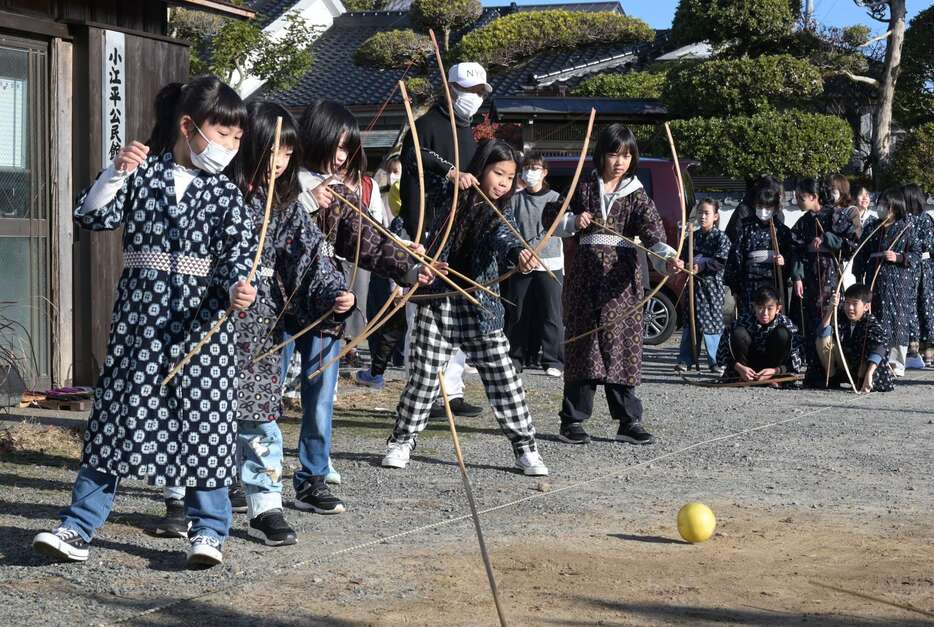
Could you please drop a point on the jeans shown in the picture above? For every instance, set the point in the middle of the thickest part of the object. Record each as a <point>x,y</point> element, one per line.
<point>686,355</point>
<point>259,458</point>
<point>93,497</point>
<point>314,442</point>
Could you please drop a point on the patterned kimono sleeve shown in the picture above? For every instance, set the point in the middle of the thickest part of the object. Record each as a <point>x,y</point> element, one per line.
<point>877,339</point>
<point>912,246</point>
<point>239,234</point>
<point>300,259</point>
<point>800,240</point>
<point>110,215</point>
<point>787,249</point>
<point>648,222</point>
<point>378,252</point>
<point>723,249</point>
<point>795,361</point>
<point>736,263</point>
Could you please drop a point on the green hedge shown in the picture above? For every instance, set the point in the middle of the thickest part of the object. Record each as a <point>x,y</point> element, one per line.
<point>420,89</point>
<point>741,86</point>
<point>393,49</point>
<point>444,14</point>
<point>508,39</point>
<point>720,21</point>
<point>913,161</point>
<point>786,144</point>
<point>645,84</point>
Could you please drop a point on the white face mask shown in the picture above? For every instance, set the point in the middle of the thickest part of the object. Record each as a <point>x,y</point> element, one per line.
<point>532,177</point>
<point>764,214</point>
<point>214,158</point>
<point>835,194</point>
<point>466,104</point>
<point>394,178</point>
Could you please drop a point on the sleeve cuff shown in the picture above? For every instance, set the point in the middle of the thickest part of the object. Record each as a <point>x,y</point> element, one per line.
<point>826,331</point>
<point>875,358</point>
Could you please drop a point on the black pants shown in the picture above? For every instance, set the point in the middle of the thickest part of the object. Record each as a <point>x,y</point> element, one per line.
<point>773,355</point>
<point>388,339</point>
<point>536,297</point>
<point>577,405</point>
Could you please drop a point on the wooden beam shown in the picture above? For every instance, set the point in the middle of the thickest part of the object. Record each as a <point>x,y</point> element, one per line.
<point>62,292</point>
<point>216,6</point>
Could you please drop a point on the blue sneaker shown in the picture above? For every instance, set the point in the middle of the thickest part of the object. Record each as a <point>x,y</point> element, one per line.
<point>363,377</point>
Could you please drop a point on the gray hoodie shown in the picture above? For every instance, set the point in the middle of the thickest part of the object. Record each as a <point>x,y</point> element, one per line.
<point>528,207</point>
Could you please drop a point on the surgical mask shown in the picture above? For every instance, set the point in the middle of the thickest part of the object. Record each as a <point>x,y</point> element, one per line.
<point>466,104</point>
<point>214,158</point>
<point>835,194</point>
<point>532,177</point>
<point>764,214</point>
<point>394,178</point>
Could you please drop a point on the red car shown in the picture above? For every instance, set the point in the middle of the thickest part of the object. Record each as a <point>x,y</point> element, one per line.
<point>659,178</point>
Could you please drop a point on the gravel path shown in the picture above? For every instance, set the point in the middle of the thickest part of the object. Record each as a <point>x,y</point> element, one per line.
<point>842,456</point>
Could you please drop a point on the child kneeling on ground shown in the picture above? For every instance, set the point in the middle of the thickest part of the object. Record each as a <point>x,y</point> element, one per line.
<point>761,344</point>
<point>863,344</point>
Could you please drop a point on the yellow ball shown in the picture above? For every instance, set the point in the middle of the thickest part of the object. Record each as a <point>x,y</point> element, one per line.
<point>696,522</point>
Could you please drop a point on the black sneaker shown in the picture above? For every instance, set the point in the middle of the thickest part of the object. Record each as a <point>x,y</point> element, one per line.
<point>237,498</point>
<point>62,544</point>
<point>271,528</point>
<point>573,433</point>
<point>314,495</point>
<point>634,434</point>
<point>459,407</point>
<point>174,524</point>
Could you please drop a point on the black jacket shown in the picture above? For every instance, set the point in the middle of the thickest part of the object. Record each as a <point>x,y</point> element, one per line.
<point>434,136</point>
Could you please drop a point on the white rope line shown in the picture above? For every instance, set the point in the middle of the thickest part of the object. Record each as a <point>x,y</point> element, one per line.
<point>618,471</point>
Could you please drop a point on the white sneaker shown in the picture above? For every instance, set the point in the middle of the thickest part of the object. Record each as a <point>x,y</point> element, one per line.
<point>204,552</point>
<point>554,372</point>
<point>397,454</point>
<point>531,464</point>
<point>333,477</point>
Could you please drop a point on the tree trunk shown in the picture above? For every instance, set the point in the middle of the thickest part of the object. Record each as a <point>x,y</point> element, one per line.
<point>882,120</point>
<point>447,39</point>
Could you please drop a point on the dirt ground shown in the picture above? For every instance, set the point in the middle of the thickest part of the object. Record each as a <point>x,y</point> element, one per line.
<point>840,495</point>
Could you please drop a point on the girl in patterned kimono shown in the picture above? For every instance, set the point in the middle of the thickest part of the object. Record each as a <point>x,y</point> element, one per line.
<point>333,158</point>
<point>915,201</point>
<point>753,258</point>
<point>480,247</point>
<point>188,247</point>
<point>711,249</point>
<point>817,254</point>
<point>886,264</point>
<point>603,286</point>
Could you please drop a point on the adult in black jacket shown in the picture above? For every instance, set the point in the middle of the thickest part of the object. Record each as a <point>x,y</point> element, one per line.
<point>468,86</point>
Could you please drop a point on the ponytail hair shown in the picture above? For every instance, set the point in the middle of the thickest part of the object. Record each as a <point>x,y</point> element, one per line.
<point>250,169</point>
<point>204,99</point>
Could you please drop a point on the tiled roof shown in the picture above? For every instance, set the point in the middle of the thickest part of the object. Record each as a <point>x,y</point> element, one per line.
<point>335,76</point>
<point>270,10</point>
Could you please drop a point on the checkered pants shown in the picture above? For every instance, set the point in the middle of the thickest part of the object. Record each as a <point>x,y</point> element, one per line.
<point>441,327</point>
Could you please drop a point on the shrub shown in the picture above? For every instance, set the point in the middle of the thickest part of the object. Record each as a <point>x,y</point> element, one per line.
<point>720,21</point>
<point>444,15</point>
<point>517,36</point>
<point>741,86</point>
<point>913,159</point>
<point>646,84</point>
<point>792,143</point>
<point>393,49</point>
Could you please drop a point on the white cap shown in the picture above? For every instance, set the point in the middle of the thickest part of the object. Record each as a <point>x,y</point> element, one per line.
<point>469,75</point>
